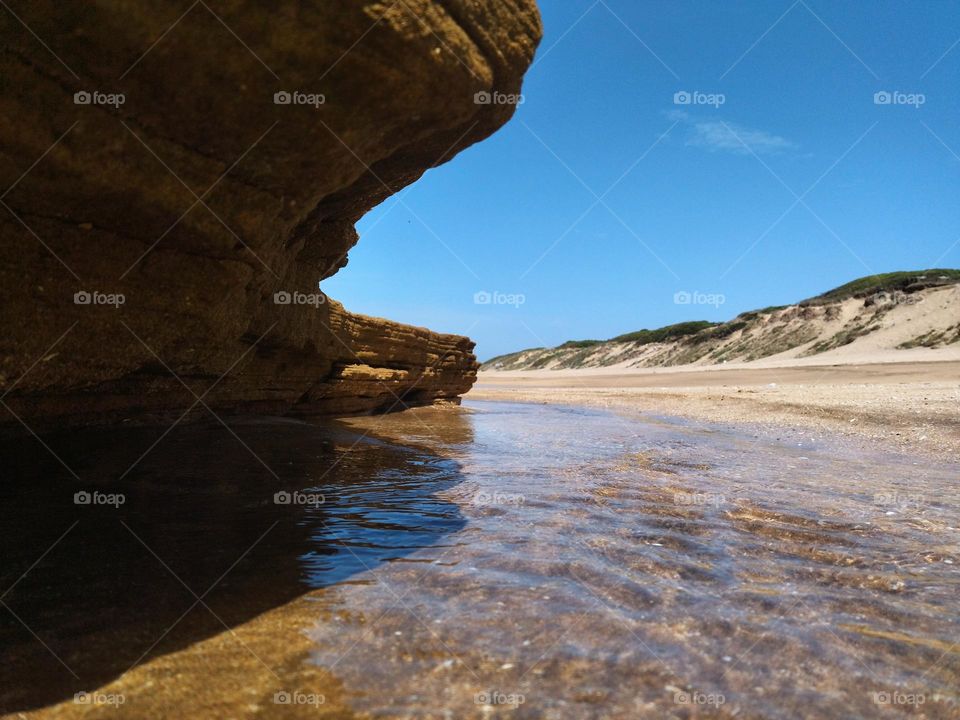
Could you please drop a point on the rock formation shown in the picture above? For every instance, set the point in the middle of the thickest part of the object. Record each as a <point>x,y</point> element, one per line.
<point>176,182</point>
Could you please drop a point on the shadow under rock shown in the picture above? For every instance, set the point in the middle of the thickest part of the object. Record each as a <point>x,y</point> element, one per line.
<point>199,518</point>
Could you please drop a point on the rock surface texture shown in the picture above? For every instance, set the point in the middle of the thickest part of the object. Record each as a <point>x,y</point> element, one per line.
<point>179,179</point>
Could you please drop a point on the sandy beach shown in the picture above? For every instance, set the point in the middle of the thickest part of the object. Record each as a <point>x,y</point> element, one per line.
<point>911,405</point>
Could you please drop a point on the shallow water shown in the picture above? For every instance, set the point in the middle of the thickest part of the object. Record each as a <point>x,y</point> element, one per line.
<point>503,560</point>
<point>611,568</point>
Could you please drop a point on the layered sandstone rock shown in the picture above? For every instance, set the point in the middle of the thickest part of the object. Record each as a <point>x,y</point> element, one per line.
<point>202,195</point>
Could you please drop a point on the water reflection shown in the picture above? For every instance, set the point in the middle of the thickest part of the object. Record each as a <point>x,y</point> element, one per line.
<point>199,544</point>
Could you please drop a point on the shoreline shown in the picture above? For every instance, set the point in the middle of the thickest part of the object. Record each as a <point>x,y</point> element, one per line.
<point>906,407</point>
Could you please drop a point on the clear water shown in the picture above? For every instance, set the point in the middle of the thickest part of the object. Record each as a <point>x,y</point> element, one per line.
<point>503,560</point>
<point>610,568</point>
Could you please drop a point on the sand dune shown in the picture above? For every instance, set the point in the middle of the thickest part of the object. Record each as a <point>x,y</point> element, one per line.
<point>882,327</point>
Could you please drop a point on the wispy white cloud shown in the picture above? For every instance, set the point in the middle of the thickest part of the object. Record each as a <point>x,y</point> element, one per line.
<point>720,136</point>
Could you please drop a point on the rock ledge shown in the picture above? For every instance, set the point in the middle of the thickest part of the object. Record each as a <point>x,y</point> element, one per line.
<point>203,171</point>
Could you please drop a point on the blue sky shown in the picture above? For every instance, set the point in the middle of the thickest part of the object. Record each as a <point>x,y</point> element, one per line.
<point>604,198</point>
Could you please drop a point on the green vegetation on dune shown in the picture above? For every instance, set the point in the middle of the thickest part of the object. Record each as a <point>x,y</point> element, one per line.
<point>666,333</point>
<point>754,314</point>
<point>934,338</point>
<point>887,282</point>
<point>725,330</point>
<point>579,344</point>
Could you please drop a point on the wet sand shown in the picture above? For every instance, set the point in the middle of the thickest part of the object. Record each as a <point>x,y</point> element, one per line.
<point>911,406</point>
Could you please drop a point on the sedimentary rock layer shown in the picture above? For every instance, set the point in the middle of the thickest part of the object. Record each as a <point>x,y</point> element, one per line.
<point>196,161</point>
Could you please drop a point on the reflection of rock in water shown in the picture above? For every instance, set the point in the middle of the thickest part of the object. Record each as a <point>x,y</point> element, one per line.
<point>198,520</point>
<point>449,426</point>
